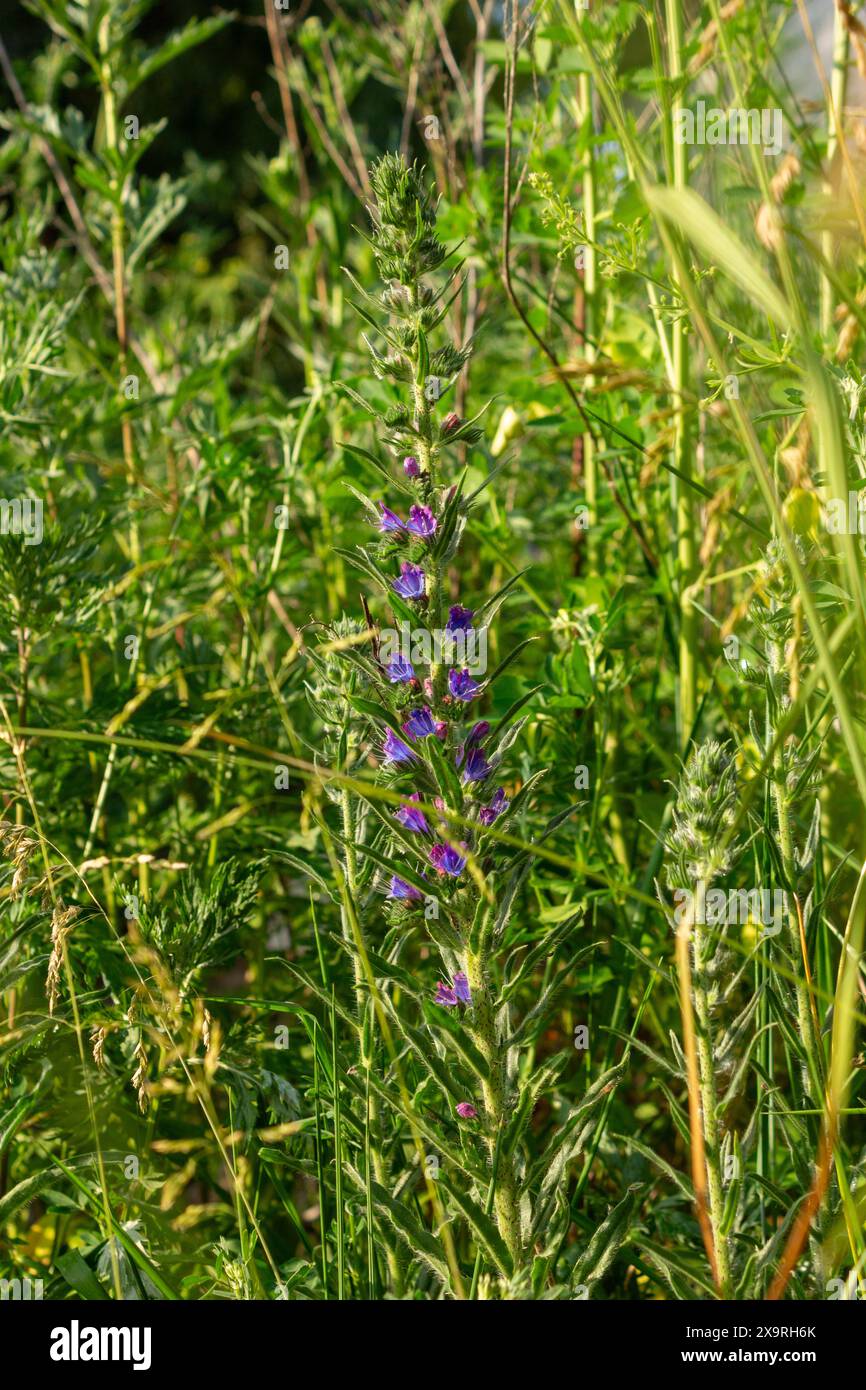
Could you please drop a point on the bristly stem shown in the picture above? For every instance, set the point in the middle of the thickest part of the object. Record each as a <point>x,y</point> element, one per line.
<point>796,943</point>
<point>709,1111</point>
<point>494,1091</point>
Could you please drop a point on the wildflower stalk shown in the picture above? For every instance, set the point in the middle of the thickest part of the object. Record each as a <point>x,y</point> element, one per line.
<point>709,1112</point>
<point>420,706</point>
<point>493,1088</point>
<point>702,821</point>
<point>796,938</point>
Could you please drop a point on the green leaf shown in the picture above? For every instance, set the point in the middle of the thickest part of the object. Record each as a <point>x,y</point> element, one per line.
<point>595,1261</point>
<point>180,41</point>
<point>79,1276</point>
<point>419,1242</point>
<point>482,1225</point>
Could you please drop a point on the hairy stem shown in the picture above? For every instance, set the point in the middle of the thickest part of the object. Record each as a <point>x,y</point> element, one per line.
<point>709,1107</point>
<point>494,1091</point>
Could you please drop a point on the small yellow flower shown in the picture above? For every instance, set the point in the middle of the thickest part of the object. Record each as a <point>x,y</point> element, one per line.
<point>510,427</point>
<point>802,511</point>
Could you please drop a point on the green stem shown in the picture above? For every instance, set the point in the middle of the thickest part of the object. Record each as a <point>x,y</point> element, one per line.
<point>590,288</point>
<point>709,1115</point>
<point>494,1092</point>
<point>682,495</point>
<point>838,91</point>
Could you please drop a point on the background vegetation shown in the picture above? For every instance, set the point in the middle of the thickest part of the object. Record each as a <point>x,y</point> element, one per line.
<point>209,1089</point>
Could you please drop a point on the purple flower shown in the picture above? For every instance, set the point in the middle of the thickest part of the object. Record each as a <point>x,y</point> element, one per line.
<point>399,671</point>
<point>411,466</point>
<point>388,520</point>
<point>411,581</point>
<point>461,685</point>
<point>395,750</point>
<point>448,860</point>
<point>488,814</point>
<point>459,619</point>
<point>401,889</point>
<point>477,767</point>
<point>477,732</point>
<point>420,723</point>
<point>467,1111</point>
<point>461,987</point>
<point>411,817</point>
<point>457,992</point>
<point>421,521</point>
<point>445,995</point>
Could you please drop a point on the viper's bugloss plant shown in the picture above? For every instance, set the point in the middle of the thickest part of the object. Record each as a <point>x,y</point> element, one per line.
<point>437,869</point>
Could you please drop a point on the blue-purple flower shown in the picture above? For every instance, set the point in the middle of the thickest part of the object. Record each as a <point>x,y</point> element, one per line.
<point>402,890</point>
<point>420,723</point>
<point>459,619</point>
<point>395,750</point>
<point>411,817</point>
<point>448,860</point>
<point>461,685</point>
<point>488,814</point>
<point>476,767</point>
<point>421,521</point>
<point>457,992</point>
<point>388,520</point>
<point>399,671</point>
<point>475,735</point>
<point>411,466</point>
<point>411,581</point>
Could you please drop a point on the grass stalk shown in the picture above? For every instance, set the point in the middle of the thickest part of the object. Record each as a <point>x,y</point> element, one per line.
<point>682,494</point>
<point>835,117</point>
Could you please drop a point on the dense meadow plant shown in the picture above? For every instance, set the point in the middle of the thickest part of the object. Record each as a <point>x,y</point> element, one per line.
<point>440,869</point>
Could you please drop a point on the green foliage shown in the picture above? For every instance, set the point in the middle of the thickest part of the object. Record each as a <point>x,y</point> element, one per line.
<point>251,265</point>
